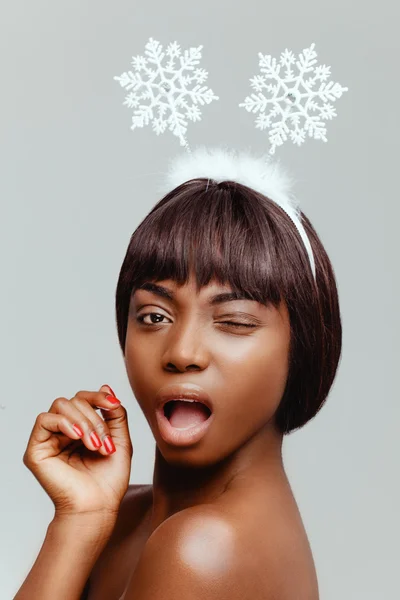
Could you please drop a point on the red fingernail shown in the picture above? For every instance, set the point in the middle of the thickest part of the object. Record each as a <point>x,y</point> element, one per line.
<point>111,390</point>
<point>109,444</point>
<point>77,429</point>
<point>113,399</point>
<point>95,439</point>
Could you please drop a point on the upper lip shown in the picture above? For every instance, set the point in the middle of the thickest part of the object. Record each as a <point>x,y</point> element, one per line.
<point>179,391</point>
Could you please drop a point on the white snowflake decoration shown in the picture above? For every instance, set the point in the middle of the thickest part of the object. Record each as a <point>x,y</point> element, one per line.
<point>163,94</point>
<point>291,98</point>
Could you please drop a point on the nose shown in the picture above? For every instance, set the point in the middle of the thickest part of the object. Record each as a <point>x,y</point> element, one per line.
<point>186,349</point>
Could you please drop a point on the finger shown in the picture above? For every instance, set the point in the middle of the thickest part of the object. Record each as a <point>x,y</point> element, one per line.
<point>83,423</point>
<point>93,423</point>
<point>110,395</point>
<point>96,433</point>
<point>101,399</point>
<point>117,420</point>
<point>47,426</point>
<point>115,417</point>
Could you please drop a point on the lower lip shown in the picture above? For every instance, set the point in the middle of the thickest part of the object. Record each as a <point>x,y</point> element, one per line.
<point>181,437</point>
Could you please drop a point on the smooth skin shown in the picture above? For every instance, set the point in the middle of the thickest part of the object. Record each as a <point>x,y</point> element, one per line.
<point>86,485</point>
<point>78,480</point>
<point>244,369</point>
<point>224,522</point>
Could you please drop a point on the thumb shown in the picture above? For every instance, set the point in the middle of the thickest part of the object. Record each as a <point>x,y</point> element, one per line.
<point>117,421</point>
<point>106,388</point>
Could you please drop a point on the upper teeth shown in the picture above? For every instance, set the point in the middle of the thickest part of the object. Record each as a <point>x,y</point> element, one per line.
<point>183,400</point>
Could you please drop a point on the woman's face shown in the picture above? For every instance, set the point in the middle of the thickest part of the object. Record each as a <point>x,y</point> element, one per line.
<point>188,340</point>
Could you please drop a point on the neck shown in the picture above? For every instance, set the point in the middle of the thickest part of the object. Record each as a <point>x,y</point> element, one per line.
<point>177,486</point>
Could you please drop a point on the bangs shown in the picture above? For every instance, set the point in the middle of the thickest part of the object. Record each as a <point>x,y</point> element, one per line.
<point>229,233</point>
<point>214,231</point>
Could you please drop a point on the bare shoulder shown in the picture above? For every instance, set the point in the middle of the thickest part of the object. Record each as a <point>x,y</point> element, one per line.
<point>234,549</point>
<point>203,525</point>
<point>194,553</point>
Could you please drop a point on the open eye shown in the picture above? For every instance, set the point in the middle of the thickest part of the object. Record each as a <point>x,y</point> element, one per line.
<point>140,319</point>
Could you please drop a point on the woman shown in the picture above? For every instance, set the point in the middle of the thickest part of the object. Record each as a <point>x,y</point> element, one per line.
<point>216,301</point>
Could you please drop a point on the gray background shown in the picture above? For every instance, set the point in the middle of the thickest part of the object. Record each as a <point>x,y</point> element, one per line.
<point>75,183</point>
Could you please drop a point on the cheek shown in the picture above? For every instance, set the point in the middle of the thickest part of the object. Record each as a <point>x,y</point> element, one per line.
<point>274,367</point>
<point>139,364</point>
<point>139,351</point>
<point>257,380</point>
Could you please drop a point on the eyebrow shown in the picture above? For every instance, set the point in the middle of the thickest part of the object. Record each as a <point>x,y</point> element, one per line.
<point>164,292</point>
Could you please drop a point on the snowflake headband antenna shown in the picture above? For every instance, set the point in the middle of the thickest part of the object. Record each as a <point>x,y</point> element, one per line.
<point>291,99</point>
<point>167,89</point>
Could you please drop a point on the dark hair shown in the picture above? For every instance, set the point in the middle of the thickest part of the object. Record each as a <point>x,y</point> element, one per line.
<point>233,234</point>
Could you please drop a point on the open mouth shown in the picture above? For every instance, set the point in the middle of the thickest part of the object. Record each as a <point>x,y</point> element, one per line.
<point>186,413</point>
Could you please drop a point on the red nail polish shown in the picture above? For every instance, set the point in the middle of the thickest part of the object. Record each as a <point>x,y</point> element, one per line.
<point>95,439</point>
<point>77,429</point>
<point>109,444</point>
<point>113,399</point>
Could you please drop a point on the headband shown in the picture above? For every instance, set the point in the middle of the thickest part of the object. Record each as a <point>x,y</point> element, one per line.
<point>166,89</point>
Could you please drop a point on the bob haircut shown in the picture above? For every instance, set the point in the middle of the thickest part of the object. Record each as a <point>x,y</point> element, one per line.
<point>231,233</point>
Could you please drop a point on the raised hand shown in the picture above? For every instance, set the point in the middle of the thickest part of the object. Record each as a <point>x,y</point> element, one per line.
<point>79,475</point>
